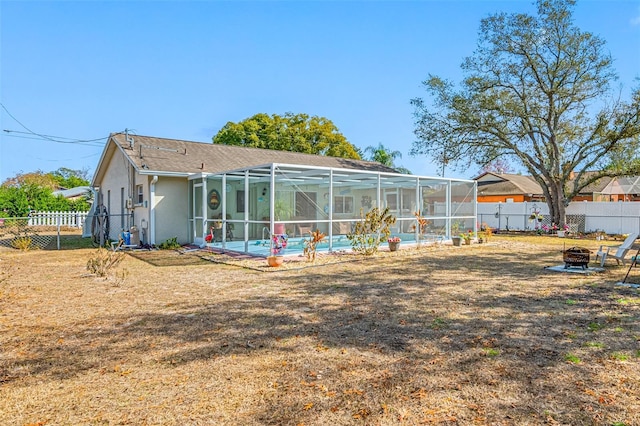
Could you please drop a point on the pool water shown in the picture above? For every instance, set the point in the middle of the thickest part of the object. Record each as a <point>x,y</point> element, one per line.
<point>295,246</point>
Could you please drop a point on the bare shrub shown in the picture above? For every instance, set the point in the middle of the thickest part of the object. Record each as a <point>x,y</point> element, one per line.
<point>104,260</point>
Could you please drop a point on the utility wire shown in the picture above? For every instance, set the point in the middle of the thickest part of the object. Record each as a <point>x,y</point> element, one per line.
<point>90,144</point>
<point>45,137</point>
<point>69,140</point>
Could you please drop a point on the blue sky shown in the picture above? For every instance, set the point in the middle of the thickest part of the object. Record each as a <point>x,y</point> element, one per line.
<point>81,70</point>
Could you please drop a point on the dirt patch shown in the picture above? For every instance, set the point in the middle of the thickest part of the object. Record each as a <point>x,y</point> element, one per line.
<point>447,335</point>
<point>162,258</point>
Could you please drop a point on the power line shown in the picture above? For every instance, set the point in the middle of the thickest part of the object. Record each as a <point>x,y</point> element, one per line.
<point>38,138</point>
<point>69,140</point>
<point>56,139</point>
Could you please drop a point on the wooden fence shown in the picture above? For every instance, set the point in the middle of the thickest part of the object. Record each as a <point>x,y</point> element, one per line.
<point>67,219</point>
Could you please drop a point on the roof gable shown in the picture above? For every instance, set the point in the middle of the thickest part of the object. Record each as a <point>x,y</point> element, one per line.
<point>507,184</point>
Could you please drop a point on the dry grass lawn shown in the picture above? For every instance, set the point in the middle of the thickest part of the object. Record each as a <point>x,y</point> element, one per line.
<point>443,335</point>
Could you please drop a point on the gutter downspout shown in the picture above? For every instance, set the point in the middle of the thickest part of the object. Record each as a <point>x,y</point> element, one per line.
<point>152,211</point>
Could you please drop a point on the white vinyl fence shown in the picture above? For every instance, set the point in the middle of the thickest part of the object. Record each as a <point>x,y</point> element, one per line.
<point>65,219</point>
<point>582,216</point>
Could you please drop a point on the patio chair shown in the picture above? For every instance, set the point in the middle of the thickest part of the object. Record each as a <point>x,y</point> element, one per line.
<point>621,251</point>
<point>303,229</point>
<point>341,228</point>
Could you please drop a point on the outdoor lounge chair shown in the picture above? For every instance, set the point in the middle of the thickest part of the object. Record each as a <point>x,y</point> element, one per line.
<point>620,253</point>
<point>303,229</point>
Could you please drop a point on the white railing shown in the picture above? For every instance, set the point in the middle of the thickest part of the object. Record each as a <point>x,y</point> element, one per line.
<point>67,219</point>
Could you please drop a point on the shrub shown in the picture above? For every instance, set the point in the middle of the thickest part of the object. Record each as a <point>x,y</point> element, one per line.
<point>371,230</point>
<point>103,260</point>
<point>170,244</point>
<point>420,225</point>
<point>488,232</point>
<point>311,244</point>
<point>22,243</point>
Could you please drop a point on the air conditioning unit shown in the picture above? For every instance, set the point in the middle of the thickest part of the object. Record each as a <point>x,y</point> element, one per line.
<point>129,203</point>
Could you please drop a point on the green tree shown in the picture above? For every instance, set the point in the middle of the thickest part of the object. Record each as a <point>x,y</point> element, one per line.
<point>70,178</point>
<point>13,202</point>
<point>536,91</point>
<point>382,154</point>
<point>289,132</point>
<point>34,191</point>
<point>33,179</point>
<point>386,156</point>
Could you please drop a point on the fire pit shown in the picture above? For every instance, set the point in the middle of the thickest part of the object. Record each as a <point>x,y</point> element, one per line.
<point>576,256</point>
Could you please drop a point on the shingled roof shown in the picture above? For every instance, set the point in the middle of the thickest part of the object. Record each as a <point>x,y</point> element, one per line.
<point>595,187</point>
<point>511,184</point>
<point>505,184</point>
<point>161,156</point>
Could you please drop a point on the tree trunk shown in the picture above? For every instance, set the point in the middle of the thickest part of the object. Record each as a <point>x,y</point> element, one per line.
<point>556,203</point>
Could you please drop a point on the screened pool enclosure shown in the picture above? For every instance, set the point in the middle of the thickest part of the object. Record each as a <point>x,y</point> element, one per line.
<point>242,210</point>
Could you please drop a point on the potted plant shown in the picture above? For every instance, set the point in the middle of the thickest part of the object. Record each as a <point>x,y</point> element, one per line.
<point>467,237</point>
<point>278,245</point>
<point>394,243</point>
<point>281,211</point>
<point>455,238</point>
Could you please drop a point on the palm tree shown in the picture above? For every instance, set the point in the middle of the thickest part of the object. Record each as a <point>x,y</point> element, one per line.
<point>382,154</point>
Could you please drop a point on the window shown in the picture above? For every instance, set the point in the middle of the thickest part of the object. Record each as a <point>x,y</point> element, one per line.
<point>343,204</point>
<point>139,194</point>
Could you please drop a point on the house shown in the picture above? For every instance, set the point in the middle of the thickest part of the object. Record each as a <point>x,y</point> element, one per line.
<point>594,191</point>
<point>79,192</point>
<point>238,197</point>
<point>504,187</point>
<point>619,189</point>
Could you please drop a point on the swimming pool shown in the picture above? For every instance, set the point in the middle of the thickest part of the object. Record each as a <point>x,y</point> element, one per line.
<point>295,246</point>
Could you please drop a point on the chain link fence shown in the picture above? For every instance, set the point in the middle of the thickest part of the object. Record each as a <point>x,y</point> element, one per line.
<point>16,233</point>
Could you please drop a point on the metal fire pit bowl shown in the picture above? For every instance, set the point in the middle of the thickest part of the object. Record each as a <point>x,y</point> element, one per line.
<point>576,256</point>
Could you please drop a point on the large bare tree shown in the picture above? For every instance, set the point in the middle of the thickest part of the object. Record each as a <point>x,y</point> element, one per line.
<point>536,91</point>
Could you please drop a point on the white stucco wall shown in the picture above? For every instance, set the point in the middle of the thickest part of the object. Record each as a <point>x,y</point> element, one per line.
<point>172,209</point>
<point>115,178</point>
<point>141,210</point>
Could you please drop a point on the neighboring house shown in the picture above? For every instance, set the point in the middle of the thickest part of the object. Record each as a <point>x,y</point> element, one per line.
<point>172,188</point>
<point>593,191</point>
<point>619,189</point>
<point>503,187</point>
<point>73,193</point>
